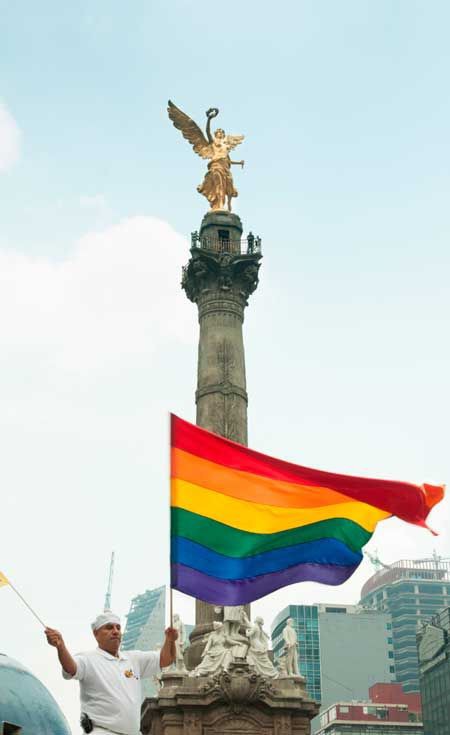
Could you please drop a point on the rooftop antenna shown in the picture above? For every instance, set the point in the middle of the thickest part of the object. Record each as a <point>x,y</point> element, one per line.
<point>110,581</point>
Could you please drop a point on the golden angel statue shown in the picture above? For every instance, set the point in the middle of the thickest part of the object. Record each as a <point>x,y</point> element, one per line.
<point>217,186</point>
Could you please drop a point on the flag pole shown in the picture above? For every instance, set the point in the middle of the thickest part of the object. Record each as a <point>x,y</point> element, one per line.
<point>26,603</point>
<point>170,522</point>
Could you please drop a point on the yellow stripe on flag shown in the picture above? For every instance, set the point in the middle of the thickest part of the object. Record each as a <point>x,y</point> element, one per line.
<point>3,580</point>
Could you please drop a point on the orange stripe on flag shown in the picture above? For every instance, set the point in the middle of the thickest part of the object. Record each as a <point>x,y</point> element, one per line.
<point>248,486</point>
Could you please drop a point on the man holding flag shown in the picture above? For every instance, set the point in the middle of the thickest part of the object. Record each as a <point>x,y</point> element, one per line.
<point>110,680</point>
<point>243,525</point>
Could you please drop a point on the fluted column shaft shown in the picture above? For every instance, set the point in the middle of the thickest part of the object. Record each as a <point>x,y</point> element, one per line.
<point>221,395</point>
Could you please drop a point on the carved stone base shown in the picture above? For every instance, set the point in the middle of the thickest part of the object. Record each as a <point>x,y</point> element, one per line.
<point>234,702</point>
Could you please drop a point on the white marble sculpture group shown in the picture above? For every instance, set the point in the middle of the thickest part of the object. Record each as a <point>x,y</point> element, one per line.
<point>227,643</point>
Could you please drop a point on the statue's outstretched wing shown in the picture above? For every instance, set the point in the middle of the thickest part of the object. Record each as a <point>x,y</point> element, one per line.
<point>190,131</point>
<point>231,141</point>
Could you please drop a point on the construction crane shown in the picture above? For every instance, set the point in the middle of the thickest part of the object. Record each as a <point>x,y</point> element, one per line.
<point>376,561</point>
<point>110,581</point>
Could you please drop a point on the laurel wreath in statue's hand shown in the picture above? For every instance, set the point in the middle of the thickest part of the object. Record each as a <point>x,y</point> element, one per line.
<point>212,112</point>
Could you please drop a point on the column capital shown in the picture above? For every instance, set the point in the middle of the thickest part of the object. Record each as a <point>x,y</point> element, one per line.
<point>229,277</point>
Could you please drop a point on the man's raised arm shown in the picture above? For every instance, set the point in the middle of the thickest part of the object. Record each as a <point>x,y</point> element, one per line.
<point>54,638</point>
<point>168,653</point>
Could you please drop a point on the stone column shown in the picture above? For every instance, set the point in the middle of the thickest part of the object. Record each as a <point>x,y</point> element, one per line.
<point>221,394</point>
<point>219,278</point>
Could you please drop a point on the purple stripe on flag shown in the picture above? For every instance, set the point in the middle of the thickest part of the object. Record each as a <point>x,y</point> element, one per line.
<point>242,591</point>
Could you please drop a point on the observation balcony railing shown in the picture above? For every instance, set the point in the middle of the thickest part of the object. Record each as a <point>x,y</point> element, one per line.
<point>249,245</point>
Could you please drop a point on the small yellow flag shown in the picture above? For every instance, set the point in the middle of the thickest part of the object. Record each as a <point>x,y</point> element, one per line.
<point>3,580</point>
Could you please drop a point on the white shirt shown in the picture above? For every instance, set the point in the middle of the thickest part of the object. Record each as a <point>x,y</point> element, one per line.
<point>110,687</point>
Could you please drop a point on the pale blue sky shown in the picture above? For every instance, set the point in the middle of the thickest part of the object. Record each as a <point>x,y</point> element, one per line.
<point>347,116</point>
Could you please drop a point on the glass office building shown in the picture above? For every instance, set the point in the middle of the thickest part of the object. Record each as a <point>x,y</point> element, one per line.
<point>144,630</point>
<point>145,626</point>
<point>331,640</point>
<point>412,592</point>
<point>433,643</point>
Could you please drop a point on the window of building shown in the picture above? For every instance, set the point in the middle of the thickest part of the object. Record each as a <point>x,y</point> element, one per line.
<point>430,589</point>
<point>390,654</point>
<point>369,710</point>
<point>404,587</point>
<point>392,669</point>
<point>382,713</point>
<point>343,709</point>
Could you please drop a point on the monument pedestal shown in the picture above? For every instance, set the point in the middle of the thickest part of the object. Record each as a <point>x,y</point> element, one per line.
<point>234,702</point>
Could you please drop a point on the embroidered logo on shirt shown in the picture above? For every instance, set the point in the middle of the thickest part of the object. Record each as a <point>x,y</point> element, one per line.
<point>129,673</point>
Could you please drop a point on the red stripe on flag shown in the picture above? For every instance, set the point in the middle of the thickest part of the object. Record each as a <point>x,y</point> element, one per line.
<point>409,502</point>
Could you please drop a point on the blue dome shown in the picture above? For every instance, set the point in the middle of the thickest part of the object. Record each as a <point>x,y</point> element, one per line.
<point>26,702</point>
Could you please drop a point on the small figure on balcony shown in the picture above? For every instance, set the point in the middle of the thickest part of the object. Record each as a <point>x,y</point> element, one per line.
<point>217,186</point>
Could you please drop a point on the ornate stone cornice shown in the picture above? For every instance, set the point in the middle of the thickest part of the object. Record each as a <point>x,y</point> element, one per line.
<point>237,687</point>
<point>228,277</point>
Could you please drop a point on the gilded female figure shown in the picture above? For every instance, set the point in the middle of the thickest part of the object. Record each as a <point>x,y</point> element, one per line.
<point>217,186</point>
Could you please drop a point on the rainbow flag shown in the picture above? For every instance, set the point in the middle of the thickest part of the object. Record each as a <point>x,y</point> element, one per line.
<point>244,524</point>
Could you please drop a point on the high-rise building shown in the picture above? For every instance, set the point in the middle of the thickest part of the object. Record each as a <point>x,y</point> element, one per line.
<point>144,630</point>
<point>433,643</point>
<point>342,649</point>
<point>389,711</point>
<point>412,592</point>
